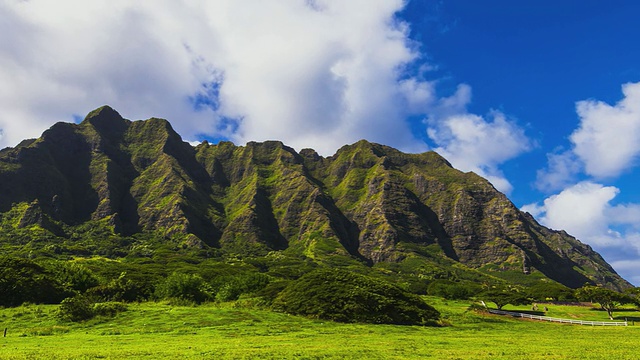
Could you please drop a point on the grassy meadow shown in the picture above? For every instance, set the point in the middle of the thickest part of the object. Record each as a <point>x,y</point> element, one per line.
<point>238,330</point>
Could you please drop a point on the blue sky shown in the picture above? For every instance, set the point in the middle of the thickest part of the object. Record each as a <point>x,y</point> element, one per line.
<point>534,61</point>
<point>542,98</point>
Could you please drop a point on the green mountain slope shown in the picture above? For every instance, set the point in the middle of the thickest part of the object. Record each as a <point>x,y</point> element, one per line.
<point>114,182</point>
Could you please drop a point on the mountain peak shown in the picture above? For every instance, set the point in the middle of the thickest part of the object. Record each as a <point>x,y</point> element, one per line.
<point>104,111</point>
<point>368,203</point>
<point>106,121</point>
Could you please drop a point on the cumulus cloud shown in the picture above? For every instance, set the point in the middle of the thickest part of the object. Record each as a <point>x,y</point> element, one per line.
<point>605,144</point>
<point>562,169</point>
<point>585,211</point>
<point>69,57</point>
<point>472,143</point>
<point>629,266</point>
<point>580,210</point>
<point>608,139</point>
<point>311,73</point>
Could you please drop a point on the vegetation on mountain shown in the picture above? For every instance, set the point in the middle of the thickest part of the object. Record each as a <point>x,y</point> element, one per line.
<point>122,211</point>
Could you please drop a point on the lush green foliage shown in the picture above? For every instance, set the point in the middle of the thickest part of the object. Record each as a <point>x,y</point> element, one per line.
<point>505,296</point>
<point>72,274</point>
<point>232,288</point>
<point>343,296</point>
<point>122,288</point>
<point>190,287</point>
<point>547,290</point>
<point>608,299</point>
<point>23,280</point>
<point>77,308</point>
<point>452,290</point>
<point>81,308</point>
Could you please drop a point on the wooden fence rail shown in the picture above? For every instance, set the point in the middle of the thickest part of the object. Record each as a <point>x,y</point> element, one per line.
<point>559,320</point>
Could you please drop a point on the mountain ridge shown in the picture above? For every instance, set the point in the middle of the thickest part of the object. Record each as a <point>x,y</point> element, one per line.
<point>367,203</point>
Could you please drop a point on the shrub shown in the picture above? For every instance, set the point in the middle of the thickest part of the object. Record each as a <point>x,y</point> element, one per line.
<point>475,307</point>
<point>121,289</point>
<point>271,291</point>
<point>77,308</point>
<point>186,287</point>
<point>238,285</point>
<point>343,296</point>
<point>109,309</point>
<point>80,308</point>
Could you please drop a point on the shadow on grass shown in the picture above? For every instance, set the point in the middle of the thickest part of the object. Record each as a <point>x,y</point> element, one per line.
<point>627,318</point>
<point>616,310</point>
<point>531,312</point>
<point>493,320</point>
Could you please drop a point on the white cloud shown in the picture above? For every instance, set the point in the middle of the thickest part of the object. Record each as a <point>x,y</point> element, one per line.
<point>473,143</point>
<point>608,139</point>
<point>585,211</point>
<point>312,74</point>
<point>69,57</point>
<point>606,143</point>
<point>580,210</point>
<point>630,269</point>
<point>561,171</point>
<point>420,95</point>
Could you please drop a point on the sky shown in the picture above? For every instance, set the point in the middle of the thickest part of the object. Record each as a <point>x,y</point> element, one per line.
<point>541,98</point>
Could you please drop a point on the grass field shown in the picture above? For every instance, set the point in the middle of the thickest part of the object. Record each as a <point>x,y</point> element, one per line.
<point>214,331</point>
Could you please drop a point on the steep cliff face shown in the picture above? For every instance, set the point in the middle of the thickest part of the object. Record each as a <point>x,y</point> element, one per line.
<point>367,203</point>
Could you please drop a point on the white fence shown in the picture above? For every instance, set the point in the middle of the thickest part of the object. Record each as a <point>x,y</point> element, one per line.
<point>552,319</point>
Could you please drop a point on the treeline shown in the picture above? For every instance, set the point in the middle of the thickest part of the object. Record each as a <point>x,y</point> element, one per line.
<point>86,288</point>
<point>89,288</point>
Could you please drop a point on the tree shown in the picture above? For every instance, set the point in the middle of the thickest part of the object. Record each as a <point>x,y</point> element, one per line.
<point>122,288</point>
<point>22,280</point>
<point>634,293</point>
<point>502,297</point>
<point>452,290</point>
<point>550,290</point>
<point>609,300</point>
<point>72,275</point>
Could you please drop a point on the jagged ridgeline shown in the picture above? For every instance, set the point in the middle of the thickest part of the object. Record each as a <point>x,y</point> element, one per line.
<point>127,186</point>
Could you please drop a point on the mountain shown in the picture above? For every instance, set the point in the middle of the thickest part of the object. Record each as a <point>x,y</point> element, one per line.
<point>112,181</point>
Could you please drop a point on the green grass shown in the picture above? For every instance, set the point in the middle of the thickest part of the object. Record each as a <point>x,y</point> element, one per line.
<point>154,330</point>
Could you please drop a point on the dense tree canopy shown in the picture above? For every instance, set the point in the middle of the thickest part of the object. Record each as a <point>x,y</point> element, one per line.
<point>22,280</point>
<point>502,297</point>
<point>343,296</point>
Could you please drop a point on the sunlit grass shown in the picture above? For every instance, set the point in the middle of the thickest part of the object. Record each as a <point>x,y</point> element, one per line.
<point>228,331</point>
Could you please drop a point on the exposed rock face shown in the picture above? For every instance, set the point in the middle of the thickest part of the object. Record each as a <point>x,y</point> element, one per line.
<point>368,201</point>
